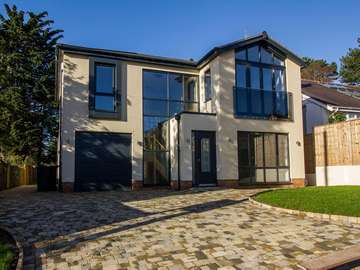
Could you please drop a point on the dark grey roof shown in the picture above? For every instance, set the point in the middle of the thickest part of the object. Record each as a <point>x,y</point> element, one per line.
<point>328,95</point>
<point>180,62</point>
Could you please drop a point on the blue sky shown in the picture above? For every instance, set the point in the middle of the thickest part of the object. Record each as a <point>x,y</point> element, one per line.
<point>188,29</point>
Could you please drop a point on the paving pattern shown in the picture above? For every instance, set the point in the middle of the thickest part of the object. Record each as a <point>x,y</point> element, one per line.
<point>163,229</point>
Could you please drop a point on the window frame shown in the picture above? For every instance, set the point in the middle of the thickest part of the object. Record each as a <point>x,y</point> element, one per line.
<point>207,88</point>
<point>104,94</point>
<point>168,100</point>
<point>252,167</point>
<point>119,90</point>
<point>261,67</point>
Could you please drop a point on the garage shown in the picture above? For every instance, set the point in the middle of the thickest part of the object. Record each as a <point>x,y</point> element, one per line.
<point>102,161</point>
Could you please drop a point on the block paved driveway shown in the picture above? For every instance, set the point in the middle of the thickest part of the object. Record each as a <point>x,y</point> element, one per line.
<point>199,229</point>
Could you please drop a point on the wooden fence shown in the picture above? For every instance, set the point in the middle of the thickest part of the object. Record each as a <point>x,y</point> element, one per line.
<point>309,153</point>
<point>337,144</point>
<point>13,176</point>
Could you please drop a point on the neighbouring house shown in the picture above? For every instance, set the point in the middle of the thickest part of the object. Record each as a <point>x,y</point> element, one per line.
<point>322,100</point>
<point>232,118</point>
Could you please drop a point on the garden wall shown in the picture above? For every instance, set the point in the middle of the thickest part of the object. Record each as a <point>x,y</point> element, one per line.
<point>337,153</point>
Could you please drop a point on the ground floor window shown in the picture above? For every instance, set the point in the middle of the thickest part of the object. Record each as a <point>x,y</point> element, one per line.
<point>263,157</point>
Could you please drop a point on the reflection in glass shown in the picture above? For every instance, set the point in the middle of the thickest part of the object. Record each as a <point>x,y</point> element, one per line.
<point>257,146</point>
<point>155,107</point>
<point>240,75</point>
<point>284,175</point>
<point>266,56</point>
<point>278,61</point>
<point>242,100</point>
<point>156,168</point>
<point>241,54</point>
<point>279,80</point>
<point>243,146</point>
<point>269,161</point>
<point>253,54</point>
<point>165,94</point>
<point>271,175</point>
<point>176,107</point>
<point>267,79</point>
<point>176,86</point>
<point>207,82</point>
<point>256,102</point>
<point>205,155</point>
<point>283,150</point>
<point>259,175</point>
<point>155,84</point>
<point>270,149</point>
<point>190,88</point>
<point>104,103</point>
<point>254,77</point>
<point>156,133</point>
<point>104,78</point>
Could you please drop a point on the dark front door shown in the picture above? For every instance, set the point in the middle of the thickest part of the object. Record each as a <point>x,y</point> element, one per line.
<point>204,158</point>
<point>102,160</point>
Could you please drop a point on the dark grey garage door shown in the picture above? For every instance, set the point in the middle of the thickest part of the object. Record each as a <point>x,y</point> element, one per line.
<point>102,160</point>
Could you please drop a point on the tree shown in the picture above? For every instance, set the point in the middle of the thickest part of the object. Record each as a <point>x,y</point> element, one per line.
<point>28,111</point>
<point>337,117</point>
<point>350,66</point>
<point>318,70</point>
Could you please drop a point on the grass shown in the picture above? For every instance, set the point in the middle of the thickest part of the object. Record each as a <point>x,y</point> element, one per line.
<point>337,200</point>
<point>6,256</point>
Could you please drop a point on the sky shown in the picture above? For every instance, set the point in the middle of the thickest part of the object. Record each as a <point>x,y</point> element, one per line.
<point>188,29</point>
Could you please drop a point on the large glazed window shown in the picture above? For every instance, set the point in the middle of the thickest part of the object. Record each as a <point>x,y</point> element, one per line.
<point>164,95</point>
<point>263,158</point>
<point>260,83</point>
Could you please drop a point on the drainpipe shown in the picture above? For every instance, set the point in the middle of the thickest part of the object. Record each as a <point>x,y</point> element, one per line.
<point>177,118</point>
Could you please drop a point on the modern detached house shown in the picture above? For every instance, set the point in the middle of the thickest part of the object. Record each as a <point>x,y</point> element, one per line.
<point>232,118</point>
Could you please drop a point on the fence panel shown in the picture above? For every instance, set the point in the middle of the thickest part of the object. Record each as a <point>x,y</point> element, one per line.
<point>309,153</point>
<point>337,153</point>
<point>13,176</point>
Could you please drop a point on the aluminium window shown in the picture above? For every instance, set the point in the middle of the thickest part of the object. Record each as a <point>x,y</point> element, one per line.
<point>164,95</point>
<point>104,93</point>
<point>260,83</point>
<point>207,85</point>
<point>105,89</point>
<point>263,157</point>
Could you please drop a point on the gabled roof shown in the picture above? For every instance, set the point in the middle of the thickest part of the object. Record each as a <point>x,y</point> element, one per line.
<point>328,95</point>
<point>131,56</point>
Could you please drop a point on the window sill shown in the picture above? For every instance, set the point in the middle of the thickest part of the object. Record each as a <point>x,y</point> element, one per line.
<point>105,115</point>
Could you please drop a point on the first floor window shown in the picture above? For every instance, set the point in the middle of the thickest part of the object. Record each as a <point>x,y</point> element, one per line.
<point>104,98</point>
<point>207,85</point>
<point>263,157</point>
<point>104,87</point>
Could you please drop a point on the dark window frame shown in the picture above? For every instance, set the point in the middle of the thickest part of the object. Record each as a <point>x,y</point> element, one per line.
<point>207,85</point>
<point>168,115</point>
<point>261,91</point>
<point>119,92</point>
<point>104,94</point>
<point>252,167</point>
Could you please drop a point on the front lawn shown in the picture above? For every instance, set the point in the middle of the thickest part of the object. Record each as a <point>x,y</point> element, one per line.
<point>6,256</point>
<point>338,200</point>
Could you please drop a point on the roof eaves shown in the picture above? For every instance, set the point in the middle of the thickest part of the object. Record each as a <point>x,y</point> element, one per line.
<point>128,56</point>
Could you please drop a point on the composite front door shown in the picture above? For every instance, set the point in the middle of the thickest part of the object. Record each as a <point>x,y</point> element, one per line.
<point>204,158</point>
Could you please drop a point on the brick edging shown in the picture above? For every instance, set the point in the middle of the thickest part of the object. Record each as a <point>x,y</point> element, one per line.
<point>20,261</point>
<point>346,220</point>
